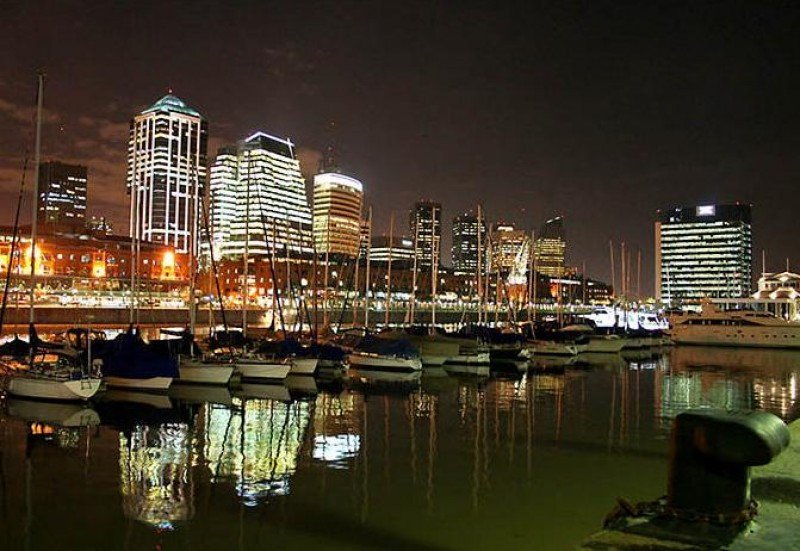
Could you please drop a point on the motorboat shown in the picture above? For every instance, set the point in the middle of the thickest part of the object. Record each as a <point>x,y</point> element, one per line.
<point>738,328</point>
<point>382,353</point>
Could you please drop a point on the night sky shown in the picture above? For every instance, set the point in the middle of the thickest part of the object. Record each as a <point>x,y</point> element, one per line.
<point>602,114</point>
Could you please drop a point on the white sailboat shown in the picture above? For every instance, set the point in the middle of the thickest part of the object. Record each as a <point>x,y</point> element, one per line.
<point>67,380</point>
<point>191,368</point>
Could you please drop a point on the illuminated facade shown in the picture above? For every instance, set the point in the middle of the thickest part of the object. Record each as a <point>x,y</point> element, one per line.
<point>337,214</point>
<point>550,248</point>
<point>62,196</point>
<point>167,172</point>
<point>425,223</point>
<point>508,246</point>
<point>258,196</point>
<point>465,243</point>
<point>402,250</point>
<point>97,260</point>
<point>703,251</point>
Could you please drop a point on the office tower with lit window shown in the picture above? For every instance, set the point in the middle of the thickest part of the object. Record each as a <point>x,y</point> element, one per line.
<point>465,243</point>
<point>550,248</point>
<point>167,172</point>
<point>258,198</point>
<point>62,197</point>
<point>703,251</point>
<point>509,247</point>
<point>401,251</point>
<point>425,223</point>
<point>337,214</point>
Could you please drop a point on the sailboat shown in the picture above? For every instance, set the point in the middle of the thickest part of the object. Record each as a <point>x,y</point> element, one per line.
<point>63,377</point>
<point>193,366</point>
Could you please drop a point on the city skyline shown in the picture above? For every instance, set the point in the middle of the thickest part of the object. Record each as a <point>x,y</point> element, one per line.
<point>602,132</point>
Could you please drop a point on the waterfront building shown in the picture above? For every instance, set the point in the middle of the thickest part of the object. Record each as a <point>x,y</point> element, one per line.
<point>258,199</point>
<point>337,214</point>
<point>550,248</point>
<point>100,225</point>
<point>85,262</point>
<point>466,230</point>
<point>509,248</point>
<point>62,197</point>
<point>776,292</point>
<point>425,225</point>
<point>703,251</point>
<point>401,249</point>
<point>167,172</point>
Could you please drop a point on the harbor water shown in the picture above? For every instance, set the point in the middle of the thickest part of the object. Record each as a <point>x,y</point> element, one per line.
<point>451,459</point>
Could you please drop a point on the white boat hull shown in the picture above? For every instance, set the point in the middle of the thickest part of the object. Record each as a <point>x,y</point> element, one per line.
<point>551,348</point>
<point>304,366</point>
<point>26,386</point>
<point>198,372</point>
<point>751,337</point>
<point>432,360</point>
<point>605,345</point>
<point>263,370</point>
<point>481,358</point>
<point>154,384</point>
<point>384,362</point>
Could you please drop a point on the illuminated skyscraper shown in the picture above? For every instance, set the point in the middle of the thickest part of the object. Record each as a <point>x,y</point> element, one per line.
<point>166,172</point>
<point>62,196</point>
<point>550,248</point>
<point>703,251</point>
<point>337,213</point>
<point>425,223</point>
<point>508,247</point>
<point>258,195</point>
<point>465,243</point>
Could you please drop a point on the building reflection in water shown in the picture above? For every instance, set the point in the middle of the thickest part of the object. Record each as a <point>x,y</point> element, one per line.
<point>255,445</point>
<point>731,379</point>
<point>336,441</point>
<point>155,474</point>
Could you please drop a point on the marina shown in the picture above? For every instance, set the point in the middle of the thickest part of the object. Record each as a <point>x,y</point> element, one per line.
<point>437,459</point>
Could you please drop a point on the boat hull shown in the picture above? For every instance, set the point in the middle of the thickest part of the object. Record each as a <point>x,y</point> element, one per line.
<point>204,373</point>
<point>52,389</point>
<point>304,366</point>
<point>481,358</point>
<point>432,360</point>
<point>383,362</point>
<point>153,384</point>
<point>263,370</point>
<point>552,348</point>
<point>604,345</point>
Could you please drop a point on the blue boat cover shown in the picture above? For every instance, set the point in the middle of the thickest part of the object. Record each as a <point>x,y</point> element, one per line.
<point>399,348</point>
<point>130,357</point>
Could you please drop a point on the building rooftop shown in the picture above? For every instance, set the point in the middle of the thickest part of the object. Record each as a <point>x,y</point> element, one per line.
<point>174,104</point>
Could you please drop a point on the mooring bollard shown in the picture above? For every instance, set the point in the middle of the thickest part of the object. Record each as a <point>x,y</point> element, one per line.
<point>710,459</point>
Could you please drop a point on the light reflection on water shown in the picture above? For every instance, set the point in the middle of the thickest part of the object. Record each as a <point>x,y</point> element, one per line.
<point>445,460</point>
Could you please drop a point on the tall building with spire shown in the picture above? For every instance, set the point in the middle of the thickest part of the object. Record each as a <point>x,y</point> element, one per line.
<point>167,172</point>
<point>550,248</point>
<point>258,199</point>
<point>425,224</point>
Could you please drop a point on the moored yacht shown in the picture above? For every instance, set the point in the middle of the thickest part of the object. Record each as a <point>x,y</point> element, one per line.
<point>744,328</point>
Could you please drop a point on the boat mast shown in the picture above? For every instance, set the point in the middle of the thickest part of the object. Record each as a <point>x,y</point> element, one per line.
<point>479,267</point>
<point>325,314</point>
<point>413,303</point>
<point>531,275</point>
<point>246,255</point>
<point>434,267</point>
<point>366,278</point>
<point>193,251</point>
<point>389,271</point>
<point>35,193</point>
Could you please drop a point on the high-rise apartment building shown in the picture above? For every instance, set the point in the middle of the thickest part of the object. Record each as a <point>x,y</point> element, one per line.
<point>550,248</point>
<point>62,197</point>
<point>703,251</point>
<point>465,243</point>
<point>167,172</point>
<point>258,199</point>
<point>337,214</point>
<point>425,224</point>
